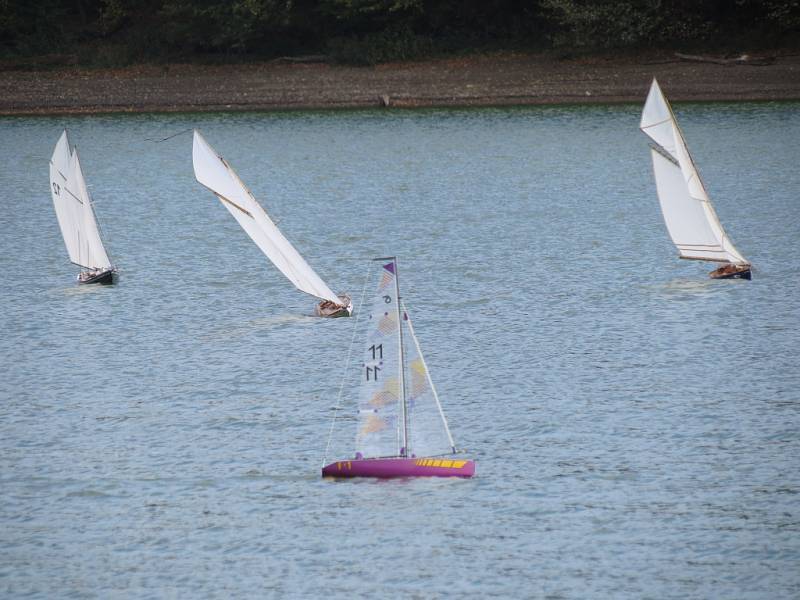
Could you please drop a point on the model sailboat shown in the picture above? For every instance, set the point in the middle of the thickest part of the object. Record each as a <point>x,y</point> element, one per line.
<point>402,431</point>
<point>76,217</point>
<point>691,220</point>
<point>214,172</point>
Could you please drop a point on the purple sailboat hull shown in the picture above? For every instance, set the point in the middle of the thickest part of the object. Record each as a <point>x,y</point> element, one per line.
<point>400,467</point>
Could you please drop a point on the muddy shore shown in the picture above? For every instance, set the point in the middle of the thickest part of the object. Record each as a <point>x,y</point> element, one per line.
<point>493,80</point>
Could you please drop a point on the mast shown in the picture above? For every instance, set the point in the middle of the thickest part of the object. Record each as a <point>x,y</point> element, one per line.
<point>403,401</point>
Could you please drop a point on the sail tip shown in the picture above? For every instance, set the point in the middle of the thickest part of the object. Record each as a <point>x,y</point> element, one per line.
<point>390,266</point>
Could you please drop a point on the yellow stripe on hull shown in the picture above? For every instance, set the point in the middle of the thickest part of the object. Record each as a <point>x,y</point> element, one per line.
<point>440,462</point>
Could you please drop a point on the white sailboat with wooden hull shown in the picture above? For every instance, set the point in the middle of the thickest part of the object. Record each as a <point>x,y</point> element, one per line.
<point>214,172</point>
<point>402,430</point>
<point>76,218</point>
<point>688,213</point>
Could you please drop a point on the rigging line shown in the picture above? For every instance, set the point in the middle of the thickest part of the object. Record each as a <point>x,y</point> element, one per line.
<point>339,257</point>
<point>168,137</point>
<point>347,365</point>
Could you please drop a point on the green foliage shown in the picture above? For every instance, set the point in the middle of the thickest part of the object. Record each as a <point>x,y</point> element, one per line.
<point>390,45</point>
<point>210,25</point>
<point>641,23</point>
<point>775,20</point>
<point>622,23</point>
<point>32,27</point>
<point>110,32</point>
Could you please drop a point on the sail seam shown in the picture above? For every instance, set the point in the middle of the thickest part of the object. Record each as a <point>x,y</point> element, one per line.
<point>711,247</point>
<point>664,153</point>
<point>667,120</point>
<point>78,200</point>
<point>705,258</point>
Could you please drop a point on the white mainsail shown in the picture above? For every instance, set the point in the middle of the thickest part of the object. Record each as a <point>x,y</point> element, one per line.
<point>381,431</point>
<point>66,205</point>
<point>213,171</point>
<point>689,215</point>
<point>73,205</point>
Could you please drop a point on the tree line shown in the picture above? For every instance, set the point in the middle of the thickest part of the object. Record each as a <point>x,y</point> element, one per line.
<point>118,32</point>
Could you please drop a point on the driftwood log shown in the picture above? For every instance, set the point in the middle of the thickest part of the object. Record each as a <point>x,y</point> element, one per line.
<point>744,59</point>
<point>311,58</point>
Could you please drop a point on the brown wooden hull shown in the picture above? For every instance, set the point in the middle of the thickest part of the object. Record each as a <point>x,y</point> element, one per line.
<point>731,272</point>
<point>332,311</point>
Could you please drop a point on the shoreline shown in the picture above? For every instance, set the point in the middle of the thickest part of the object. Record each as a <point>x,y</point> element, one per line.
<point>504,79</point>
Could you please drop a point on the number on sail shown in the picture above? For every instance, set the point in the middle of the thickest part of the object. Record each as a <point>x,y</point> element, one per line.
<point>374,371</point>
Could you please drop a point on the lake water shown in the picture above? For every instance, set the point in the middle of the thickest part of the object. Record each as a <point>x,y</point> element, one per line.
<point>636,426</point>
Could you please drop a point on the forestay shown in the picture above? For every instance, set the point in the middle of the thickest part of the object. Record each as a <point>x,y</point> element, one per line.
<point>213,171</point>
<point>73,205</point>
<point>688,213</point>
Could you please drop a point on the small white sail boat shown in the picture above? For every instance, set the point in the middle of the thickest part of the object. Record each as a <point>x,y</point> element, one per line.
<point>214,172</point>
<point>691,220</point>
<point>402,431</point>
<point>76,217</point>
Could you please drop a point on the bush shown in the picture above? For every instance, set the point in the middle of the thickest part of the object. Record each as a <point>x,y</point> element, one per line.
<point>620,23</point>
<point>393,44</point>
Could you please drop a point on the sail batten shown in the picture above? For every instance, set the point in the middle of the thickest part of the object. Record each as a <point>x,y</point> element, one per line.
<point>688,213</point>
<point>216,174</point>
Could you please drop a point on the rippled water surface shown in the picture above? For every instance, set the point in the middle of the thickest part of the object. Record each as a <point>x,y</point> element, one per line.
<point>636,426</point>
